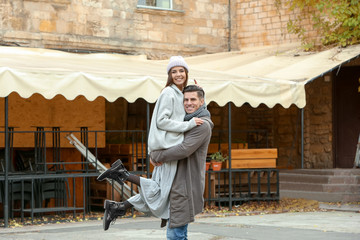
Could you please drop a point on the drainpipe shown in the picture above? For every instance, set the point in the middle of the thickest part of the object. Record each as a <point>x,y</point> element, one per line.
<point>229,26</point>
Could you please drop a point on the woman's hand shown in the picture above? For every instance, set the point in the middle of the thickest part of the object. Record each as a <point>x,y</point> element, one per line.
<point>155,164</point>
<point>196,83</point>
<point>198,121</point>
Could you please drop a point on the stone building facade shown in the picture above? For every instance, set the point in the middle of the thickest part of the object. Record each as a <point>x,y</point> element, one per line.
<point>189,28</point>
<point>123,26</point>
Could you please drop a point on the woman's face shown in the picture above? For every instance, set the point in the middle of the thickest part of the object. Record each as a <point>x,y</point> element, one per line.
<point>178,75</point>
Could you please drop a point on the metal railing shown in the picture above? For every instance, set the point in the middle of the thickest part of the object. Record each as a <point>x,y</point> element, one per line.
<point>45,160</point>
<point>26,177</point>
<point>244,185</point>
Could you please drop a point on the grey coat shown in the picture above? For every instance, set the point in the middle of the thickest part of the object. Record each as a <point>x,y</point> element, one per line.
<point>186,194</point>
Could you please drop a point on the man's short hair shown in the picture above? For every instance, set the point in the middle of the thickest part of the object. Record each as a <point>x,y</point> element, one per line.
<point>195,88</point>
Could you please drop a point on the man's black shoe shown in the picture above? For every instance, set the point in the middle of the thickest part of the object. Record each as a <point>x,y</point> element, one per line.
<point>117,172</point>
<point>112,211</point>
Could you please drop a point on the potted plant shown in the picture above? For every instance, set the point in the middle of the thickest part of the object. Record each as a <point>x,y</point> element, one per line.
<point>208,163</point>
<point>216,160</point>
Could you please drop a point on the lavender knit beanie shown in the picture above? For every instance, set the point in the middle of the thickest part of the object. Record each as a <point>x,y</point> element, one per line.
<point>177,61</point>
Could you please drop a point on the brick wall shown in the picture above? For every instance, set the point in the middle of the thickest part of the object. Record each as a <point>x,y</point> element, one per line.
<point>262,22</point>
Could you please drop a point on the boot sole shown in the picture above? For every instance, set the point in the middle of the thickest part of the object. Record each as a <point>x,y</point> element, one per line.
<point>116,163</point>
<point>104,220</point>
<point>106,207</point>
<point>105,225</point>
<point>105,174</point>
<point>102,176</point>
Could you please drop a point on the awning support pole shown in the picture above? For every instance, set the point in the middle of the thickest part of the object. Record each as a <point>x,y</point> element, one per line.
<point>147,136</point>
<point>230,175</point>
<point>7,163</point>
<point>302,138</point>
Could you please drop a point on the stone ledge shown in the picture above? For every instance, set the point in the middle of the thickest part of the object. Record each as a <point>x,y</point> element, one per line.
<point>159,11</point>
<point>51,1</point>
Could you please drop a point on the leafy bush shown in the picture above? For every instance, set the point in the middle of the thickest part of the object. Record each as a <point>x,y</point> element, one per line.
<point>218,157</point>
<point>336,21</point>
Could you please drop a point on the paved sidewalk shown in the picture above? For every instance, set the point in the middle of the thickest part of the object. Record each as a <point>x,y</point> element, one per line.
<point>341,207</point>
<point>333,225</point>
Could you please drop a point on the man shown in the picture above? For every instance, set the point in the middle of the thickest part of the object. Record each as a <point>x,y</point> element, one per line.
<point>186,194</point>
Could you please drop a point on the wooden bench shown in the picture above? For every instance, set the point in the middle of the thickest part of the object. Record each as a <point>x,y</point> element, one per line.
<point>253,158</point>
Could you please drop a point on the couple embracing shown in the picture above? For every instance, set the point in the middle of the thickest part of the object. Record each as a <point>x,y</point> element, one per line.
<point>178,141</point>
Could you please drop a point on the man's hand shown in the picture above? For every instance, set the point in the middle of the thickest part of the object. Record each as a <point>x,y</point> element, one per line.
<point>155,164</point>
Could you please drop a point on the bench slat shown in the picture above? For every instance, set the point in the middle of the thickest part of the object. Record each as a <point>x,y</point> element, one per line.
<point>254,153</point>
<point>253,163</point>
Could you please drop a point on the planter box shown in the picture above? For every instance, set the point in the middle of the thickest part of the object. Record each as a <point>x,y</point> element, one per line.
<point>253,158</point>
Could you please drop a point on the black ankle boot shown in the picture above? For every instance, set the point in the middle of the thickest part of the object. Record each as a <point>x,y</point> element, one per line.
<point>117,172</point>
<point>112,211</point>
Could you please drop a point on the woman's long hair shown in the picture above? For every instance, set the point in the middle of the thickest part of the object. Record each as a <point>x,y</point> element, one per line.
<point>170,79</point>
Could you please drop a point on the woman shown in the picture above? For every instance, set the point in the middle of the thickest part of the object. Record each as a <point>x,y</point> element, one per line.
<point>166,130</point>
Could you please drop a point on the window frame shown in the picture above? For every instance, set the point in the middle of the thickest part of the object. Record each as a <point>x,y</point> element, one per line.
<point>155,7</point>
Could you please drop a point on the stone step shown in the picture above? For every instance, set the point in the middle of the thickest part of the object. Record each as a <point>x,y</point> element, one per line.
<point>335,171</point>
<point>300,186</point>
<point>320,196</point>
<point>344,179</point>
<point>320,179</point>
<point>341,188</point>
<point>328,185</point>
<point>304,178</point>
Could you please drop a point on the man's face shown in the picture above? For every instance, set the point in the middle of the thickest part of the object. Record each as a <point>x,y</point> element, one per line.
<point>192,102</point>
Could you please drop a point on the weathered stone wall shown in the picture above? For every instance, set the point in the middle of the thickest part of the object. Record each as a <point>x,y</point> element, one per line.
<point>287,136</point>
<point>192,28</point>
<point>318,128</point>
